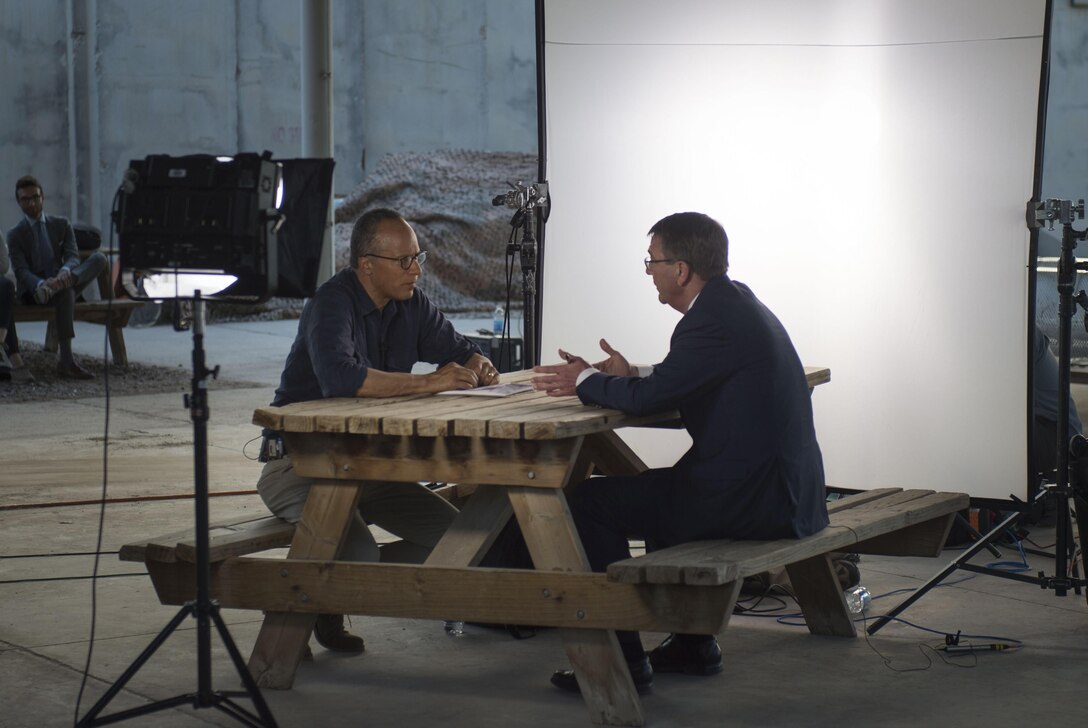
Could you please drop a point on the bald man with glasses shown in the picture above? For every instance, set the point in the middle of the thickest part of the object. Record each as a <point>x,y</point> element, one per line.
<point>360,336</point>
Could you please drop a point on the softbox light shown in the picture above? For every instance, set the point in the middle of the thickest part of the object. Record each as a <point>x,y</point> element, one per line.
<point>200,222</point>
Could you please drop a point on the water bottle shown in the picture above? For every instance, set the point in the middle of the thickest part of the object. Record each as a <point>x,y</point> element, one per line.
<point>498,320</point>
<point>454,628</point>
<point>857,599</point>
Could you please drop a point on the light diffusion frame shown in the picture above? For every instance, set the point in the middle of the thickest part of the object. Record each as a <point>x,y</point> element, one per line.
<point>870,161</point>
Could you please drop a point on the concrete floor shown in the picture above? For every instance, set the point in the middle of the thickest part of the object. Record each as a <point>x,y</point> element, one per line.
<point>413,673</point>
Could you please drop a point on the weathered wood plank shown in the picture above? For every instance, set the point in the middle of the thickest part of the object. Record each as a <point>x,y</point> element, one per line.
<point>912,522</point>
<point>612,455</point>
<point>820,597</point>
<point>856,499</point>
<point>238,539</point>
<point>443,459</point>
<point>576,600</point>
<point>165,547</point>
<point>319,536</point>
<point>474,529</point>
<point>816,376</point>
<point>602,672</point>
<point>430,416</point>
<point>921,539</point>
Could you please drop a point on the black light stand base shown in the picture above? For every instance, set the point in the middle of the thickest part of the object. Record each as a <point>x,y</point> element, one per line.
<point>204,609</point>
<point>200,699</point>
<point>1059,583</point>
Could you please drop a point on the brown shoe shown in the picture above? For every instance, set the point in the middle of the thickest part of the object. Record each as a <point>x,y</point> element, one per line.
<point>73,370</point>
<point>330,633</point>
<point>22,375</point>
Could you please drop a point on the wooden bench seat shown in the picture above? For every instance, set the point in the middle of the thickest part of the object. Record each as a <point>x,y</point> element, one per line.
<point>113,315</point>
<point>889,521</point>
<point>224,541</point>
<point>692,587</point>
<point>689,589</point>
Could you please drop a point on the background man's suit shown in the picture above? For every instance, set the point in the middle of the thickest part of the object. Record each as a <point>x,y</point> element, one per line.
<point>30,272</point>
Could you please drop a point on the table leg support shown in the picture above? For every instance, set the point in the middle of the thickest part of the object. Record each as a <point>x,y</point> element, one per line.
<point>595,655</point>
<point>320,534</point>
<point>820,597</point>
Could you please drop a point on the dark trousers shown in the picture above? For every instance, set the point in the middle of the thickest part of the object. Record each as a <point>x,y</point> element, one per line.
<point>664,510</point>
<point>7,314</point>
<point>65,301</point>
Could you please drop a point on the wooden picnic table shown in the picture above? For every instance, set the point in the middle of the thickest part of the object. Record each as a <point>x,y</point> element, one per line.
<point>521,451</point>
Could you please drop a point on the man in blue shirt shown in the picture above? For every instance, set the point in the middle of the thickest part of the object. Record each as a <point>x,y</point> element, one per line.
<point>359,336</point>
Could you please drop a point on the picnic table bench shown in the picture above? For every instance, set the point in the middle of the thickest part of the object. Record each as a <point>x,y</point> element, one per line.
<point>521,450</point>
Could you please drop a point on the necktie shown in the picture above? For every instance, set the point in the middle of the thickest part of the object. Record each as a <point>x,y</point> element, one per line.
<point>47,264</point>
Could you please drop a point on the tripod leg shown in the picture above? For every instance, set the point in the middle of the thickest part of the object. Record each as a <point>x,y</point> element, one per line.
<point>131,670</point>
<point>936,579</point>
<point>976,535</point>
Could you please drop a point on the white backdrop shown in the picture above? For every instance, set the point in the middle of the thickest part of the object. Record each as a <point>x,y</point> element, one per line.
<point>870,161</point>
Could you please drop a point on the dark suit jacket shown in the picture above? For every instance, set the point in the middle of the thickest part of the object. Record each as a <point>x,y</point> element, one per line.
<point>21,242</point>
<point>738,383</point>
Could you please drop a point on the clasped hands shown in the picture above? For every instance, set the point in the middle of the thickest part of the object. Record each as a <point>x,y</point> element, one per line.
<point>560,380</point>
<point>63,279</point>
<point>478,371</point>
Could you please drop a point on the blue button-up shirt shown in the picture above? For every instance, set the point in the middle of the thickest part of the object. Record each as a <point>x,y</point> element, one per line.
<point>341,334</point>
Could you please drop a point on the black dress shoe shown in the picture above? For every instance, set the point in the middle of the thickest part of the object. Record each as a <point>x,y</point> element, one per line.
<point>642,674</point>
<point>687,654</point>
<point>330,634</point>
<point>73,370</point>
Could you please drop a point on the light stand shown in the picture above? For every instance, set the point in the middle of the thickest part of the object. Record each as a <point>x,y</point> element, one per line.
<point>1069,449</point>
<point>204,609</point>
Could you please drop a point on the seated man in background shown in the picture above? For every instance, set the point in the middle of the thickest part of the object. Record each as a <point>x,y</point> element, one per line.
<point>11,362</point>
<point>359,336</point>
<point>1045,438</point>
<point>754,470</point>
<point>1045,386</point>
<point>48,270</point>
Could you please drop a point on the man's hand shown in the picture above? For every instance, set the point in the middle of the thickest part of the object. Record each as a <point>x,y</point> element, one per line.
<point>452,376</point>
<point>615,364</point>
<point>560,379</point>
<point>486,373</point>
<point>64,278</point>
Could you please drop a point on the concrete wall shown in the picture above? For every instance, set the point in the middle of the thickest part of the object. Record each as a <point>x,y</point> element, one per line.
<point>91,84</point>
<point>187,76</point>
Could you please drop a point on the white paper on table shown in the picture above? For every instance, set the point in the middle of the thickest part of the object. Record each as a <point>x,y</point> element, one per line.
<point>494,390</point>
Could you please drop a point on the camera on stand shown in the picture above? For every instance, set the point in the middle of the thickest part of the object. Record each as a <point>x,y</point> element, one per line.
<point>524,197</point>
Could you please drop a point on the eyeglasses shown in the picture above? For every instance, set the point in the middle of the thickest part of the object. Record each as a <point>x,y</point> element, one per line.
<point>30,198</point>
<point>650,261</point>
<point>405,261</point>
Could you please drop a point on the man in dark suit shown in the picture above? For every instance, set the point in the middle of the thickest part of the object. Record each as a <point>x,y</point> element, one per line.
<point>754,469</point>
<point>48,271</point>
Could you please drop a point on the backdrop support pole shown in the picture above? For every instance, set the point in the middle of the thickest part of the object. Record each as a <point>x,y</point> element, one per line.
<point>1069,449</point>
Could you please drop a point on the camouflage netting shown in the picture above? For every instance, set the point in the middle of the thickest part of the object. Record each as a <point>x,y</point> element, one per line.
<point>446,196</point>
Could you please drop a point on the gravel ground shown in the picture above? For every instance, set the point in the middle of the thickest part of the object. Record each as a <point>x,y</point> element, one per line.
<point>137,379</point>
